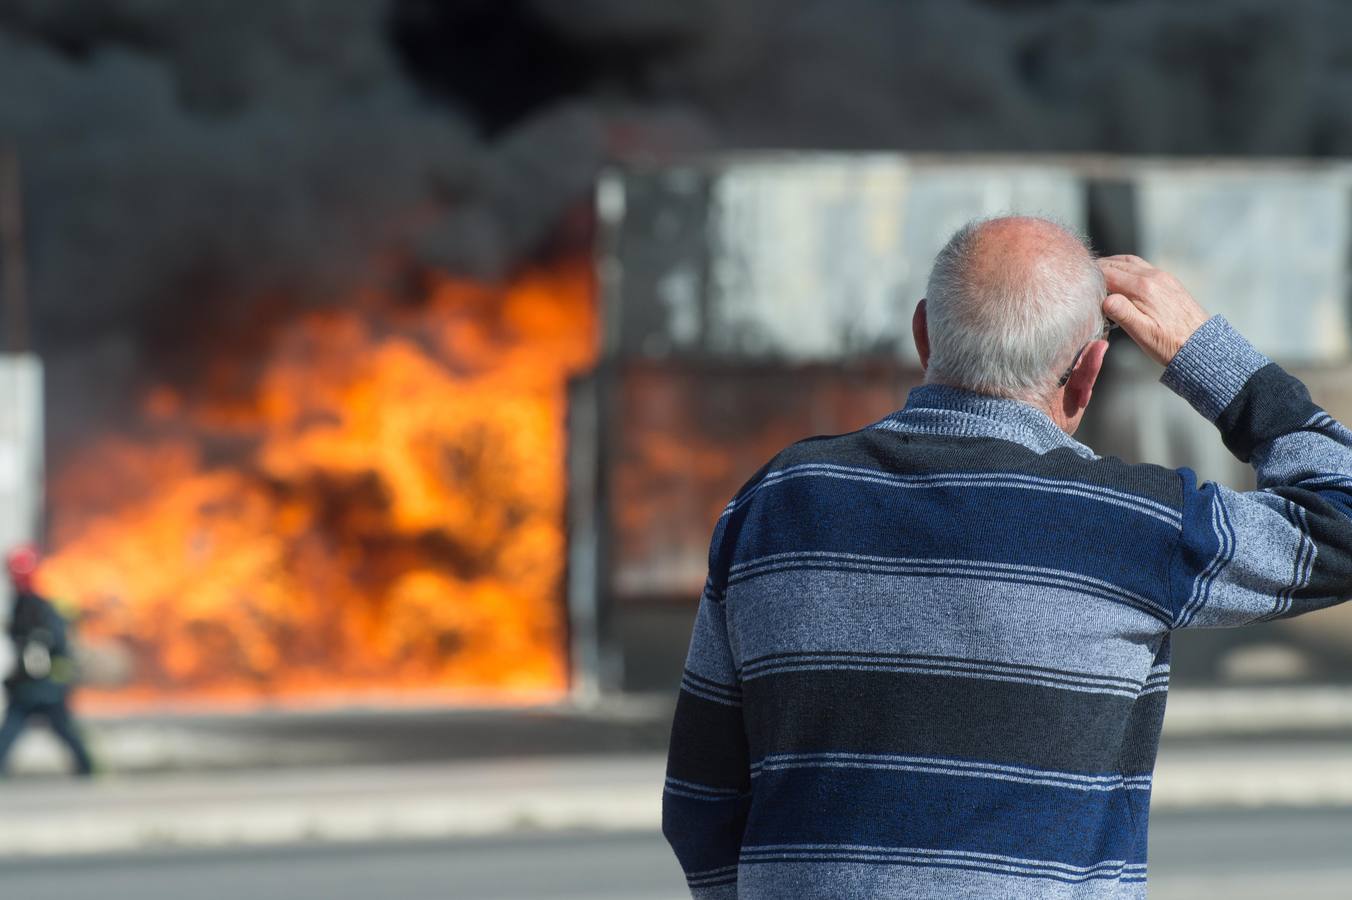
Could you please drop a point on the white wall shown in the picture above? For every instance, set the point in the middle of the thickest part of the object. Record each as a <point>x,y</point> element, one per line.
<point>21,477</point>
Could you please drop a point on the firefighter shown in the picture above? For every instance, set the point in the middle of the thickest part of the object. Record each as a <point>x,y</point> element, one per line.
<point>44,670</point>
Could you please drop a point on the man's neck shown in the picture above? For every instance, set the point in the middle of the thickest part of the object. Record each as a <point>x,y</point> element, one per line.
<point>1053,406</point>
<point>1056,411</point>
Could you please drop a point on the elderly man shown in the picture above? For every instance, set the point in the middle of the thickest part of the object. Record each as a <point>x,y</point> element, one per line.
<point>931,657</point>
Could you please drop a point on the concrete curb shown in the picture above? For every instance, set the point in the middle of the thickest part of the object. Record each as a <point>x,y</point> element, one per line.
<point>353,804</point>
<point>1215,712</point>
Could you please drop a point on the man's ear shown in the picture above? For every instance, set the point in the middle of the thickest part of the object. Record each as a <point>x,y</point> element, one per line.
<point>920,331</point>
<point>1080,387</point>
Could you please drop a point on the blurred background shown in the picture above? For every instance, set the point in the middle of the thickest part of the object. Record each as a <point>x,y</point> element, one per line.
<point>374,370</point>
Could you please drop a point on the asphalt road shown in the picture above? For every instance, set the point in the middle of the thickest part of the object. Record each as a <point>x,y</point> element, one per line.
<point>1237,855</point>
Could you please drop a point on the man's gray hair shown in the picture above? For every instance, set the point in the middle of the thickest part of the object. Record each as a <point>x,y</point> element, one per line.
<point>1010,330</point>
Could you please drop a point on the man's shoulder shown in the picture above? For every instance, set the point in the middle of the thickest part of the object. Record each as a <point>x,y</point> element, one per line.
<point>889,453</point>
<point>854,449</point>
<point>1155,482</point>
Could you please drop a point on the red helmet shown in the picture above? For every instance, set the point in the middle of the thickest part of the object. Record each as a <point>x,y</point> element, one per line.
<point>22,563</point>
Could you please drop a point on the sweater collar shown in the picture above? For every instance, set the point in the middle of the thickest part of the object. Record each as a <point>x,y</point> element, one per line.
<point>939,409</point>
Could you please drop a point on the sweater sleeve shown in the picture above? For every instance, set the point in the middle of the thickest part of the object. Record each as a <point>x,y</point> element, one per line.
<point>1285,548</point>
<point>708,786</point>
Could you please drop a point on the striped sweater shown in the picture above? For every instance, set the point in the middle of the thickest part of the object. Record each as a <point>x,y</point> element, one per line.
<point>932,656</point>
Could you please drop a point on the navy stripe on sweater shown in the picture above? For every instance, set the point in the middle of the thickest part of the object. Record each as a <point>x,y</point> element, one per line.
<point>1067,533</point>
<point>945,812</point>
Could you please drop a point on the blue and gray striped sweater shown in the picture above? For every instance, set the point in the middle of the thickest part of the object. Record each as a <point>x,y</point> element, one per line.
<point>932,656</point>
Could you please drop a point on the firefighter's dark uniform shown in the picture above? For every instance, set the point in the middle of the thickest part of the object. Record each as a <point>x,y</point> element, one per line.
<point>40,683</point>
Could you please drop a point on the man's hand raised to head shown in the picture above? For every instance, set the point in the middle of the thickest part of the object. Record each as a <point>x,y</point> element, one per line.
<point>1151,305</point>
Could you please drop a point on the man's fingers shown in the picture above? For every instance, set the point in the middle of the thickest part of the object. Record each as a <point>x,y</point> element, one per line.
<point>1124,281</point>
<point>1142,270</point>
<point>1151,306</point>
<point>1121,310</point>
<point>1140,327</point>
<point>1127,259</point>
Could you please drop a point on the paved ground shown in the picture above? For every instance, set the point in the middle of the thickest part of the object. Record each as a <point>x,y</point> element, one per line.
<point>1251,856</point>
<point>280,738</point>
<point>575,867</point>
<point>1253,799</point>
<point>332,804</point>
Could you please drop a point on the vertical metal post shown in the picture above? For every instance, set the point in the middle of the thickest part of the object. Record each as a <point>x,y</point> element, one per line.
<point>595,663</point>
<point>585,575</point>
<point>596,667</point>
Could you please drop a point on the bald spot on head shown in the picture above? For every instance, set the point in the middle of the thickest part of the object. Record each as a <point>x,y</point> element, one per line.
<point>1012,253</point>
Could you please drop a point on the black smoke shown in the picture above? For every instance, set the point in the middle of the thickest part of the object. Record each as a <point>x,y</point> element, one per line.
<point>195,169</point>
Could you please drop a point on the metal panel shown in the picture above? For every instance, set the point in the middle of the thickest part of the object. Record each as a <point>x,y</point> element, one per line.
<point>817,259</point>
<point>1268,249</point>
<point>653,261</point>
<point>798,259</point>
<point>686,436</point>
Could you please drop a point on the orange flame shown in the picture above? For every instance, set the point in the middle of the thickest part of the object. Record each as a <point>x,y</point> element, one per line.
<point>377,511</point>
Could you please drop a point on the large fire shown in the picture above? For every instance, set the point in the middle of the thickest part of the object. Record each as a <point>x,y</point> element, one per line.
<point>375,508</point>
